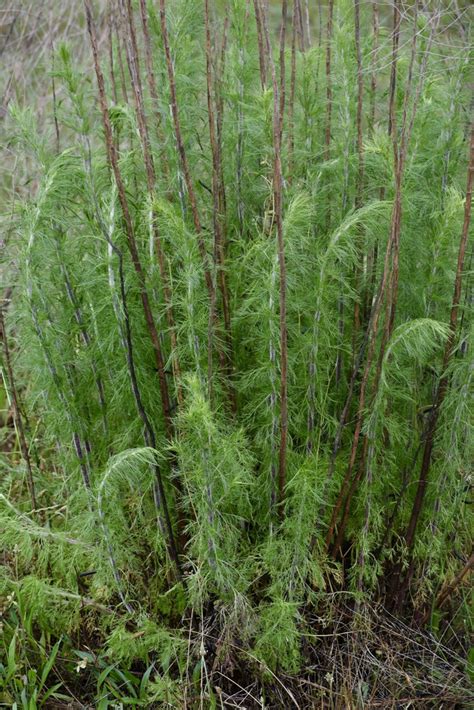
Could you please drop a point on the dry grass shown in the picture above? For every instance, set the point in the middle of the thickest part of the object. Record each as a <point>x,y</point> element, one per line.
<point>368,659</point>
<point>29,31</point>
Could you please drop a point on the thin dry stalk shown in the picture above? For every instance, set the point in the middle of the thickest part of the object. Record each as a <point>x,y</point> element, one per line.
<point>449,589</point>
<point>369,342</point>
<point>362,468</point>
<point>327,155</point>
<point>346,484</point>
<point>296,22</point>
<point>399,154</point>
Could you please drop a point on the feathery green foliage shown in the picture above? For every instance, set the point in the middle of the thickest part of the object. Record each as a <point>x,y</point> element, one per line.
<point>155,522</point>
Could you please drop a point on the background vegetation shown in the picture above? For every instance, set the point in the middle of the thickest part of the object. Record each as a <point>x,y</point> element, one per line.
<point>237,354</point>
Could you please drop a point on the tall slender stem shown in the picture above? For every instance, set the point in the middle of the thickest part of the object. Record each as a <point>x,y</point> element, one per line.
<point>284,12</point>
<point>261,43</point>
<point>182,151</point>
<point>448,354</point>
<point>113,158</point>
<point>278,210</point>
<point>219,256</point>
<point>327,139</point>
<point>134,67</point>
<point>291,107</point>
<point>152,86</point>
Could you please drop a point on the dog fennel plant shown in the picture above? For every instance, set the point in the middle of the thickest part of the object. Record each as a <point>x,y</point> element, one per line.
<point>239,376</point>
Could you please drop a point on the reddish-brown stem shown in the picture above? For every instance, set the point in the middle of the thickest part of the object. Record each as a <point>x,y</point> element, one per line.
<point>123,83</point>
<point>392,131</point>
<point>134,68</point>
<point>132,245</point>
<point>327,140</point>
<point>371,335</point>
<point>393,70</point>
<point>345,487</point>
<point>189,186</point>
<point>327,155</point>
<point>111,54</point>
<point>448,353</point>
<point>301,27</point>
<point>291,107</point>
<point>360,152</point>
<point>284,12</point>
<point>219,257</point>
<point>113,159</point>
<point>375,51</point>
<point>278,210</point>
<point>399,160</point>
<point>131,50</point>
<point>297,28</point>
<point>390,276</point>
<point>261,43</point>
<point>360,98</point>
<point>373,253</point>
<point>400,155</point>
<point>398,587</point>
<point>219,122</point>
<point>347,504</point>
<point>400,147</point>
<point>449,589</point>
<point>152,87</point>
<point>130,41</point>
<point>181,149</point>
